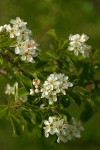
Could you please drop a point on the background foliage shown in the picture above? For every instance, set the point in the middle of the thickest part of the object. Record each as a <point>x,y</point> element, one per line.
<point>67,17</point>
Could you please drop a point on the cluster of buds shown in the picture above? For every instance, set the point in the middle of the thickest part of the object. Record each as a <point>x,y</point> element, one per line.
<point>35,89</point>
<point>62,129</point>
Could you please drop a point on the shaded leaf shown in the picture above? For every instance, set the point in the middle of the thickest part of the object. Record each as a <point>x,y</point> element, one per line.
<point>40,64</point>
<point>66,113</point>
<point>26,115</point>
<point>30,126</point>
<point>86,113</point>
<point>52,54</point>
<point>25,80</point>
<point>81,90</point>
<point>18,127</point>
<point>22,92</point>
<point>64,44</point>
<point>75,97</point>
<point>3,108</point>
<point>65,102</point>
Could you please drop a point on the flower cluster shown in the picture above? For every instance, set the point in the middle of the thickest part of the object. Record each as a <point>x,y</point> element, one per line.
<point>63,130</point>
<point>78,44</point>
<point>13,90</point>
<point>36,83</point>
<point>55,84</point>
<point>24,45</point>
<point>5,28</point>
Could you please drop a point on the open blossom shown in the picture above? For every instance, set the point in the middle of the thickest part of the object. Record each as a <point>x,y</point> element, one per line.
<point>17,22</point>
<point>62,129</point>
<point>11,90</point>
<point>54,125</point>
<point>24,33</point>
<point>19,29</point>
<point>29,51</point>
<point>26,49</point>
<point>77,127</point>
<point>55,84</point>
<point>23,44</point>
<point>78,45</point>
<point>6,28</point>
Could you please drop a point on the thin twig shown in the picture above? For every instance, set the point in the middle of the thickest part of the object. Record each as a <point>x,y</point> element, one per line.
<point>3,72</point>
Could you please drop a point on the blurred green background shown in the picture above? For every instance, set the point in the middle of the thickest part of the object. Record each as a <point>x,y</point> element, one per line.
<point>66,17</point>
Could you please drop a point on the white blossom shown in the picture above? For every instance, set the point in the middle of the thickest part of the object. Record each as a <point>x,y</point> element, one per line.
<point>23,45</point>
<point>19,30</point>
<point>55,83</point>
<point>77,127</point>
<point>24,33</point>
<point>26,49</point>
<point>14,32</point>
<point>78,44</point>
<point>53,125</point>
<point>62,129</point>
<point>1,28</point>
<point>18,22</point>
<point>6,28</point>
<point>11,90</point>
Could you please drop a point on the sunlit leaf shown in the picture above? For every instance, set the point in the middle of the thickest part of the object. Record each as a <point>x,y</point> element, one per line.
<point>53,34</point>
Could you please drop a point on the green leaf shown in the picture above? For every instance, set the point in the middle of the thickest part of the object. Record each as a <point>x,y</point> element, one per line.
<point>39,131</point>
<point>87,113</point>
<point>34,74</point>
<point>52,54</point>
<point>22,92</point>
<point>3,110</point>
<point>53,34</point>
<point>81,90</point>
<point>5,41</point>
<point>25,80</point>
<point>30,126</point>
<point>41,64</point>
<point>36,100</point>
<point>65,112</point>
<point>64,44</point>
<point>18,127</point>
<point>51,140</point>
<point>75,97</point>
<point>65,102</point>
<point>1,60</point>
<point>26,115</point>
